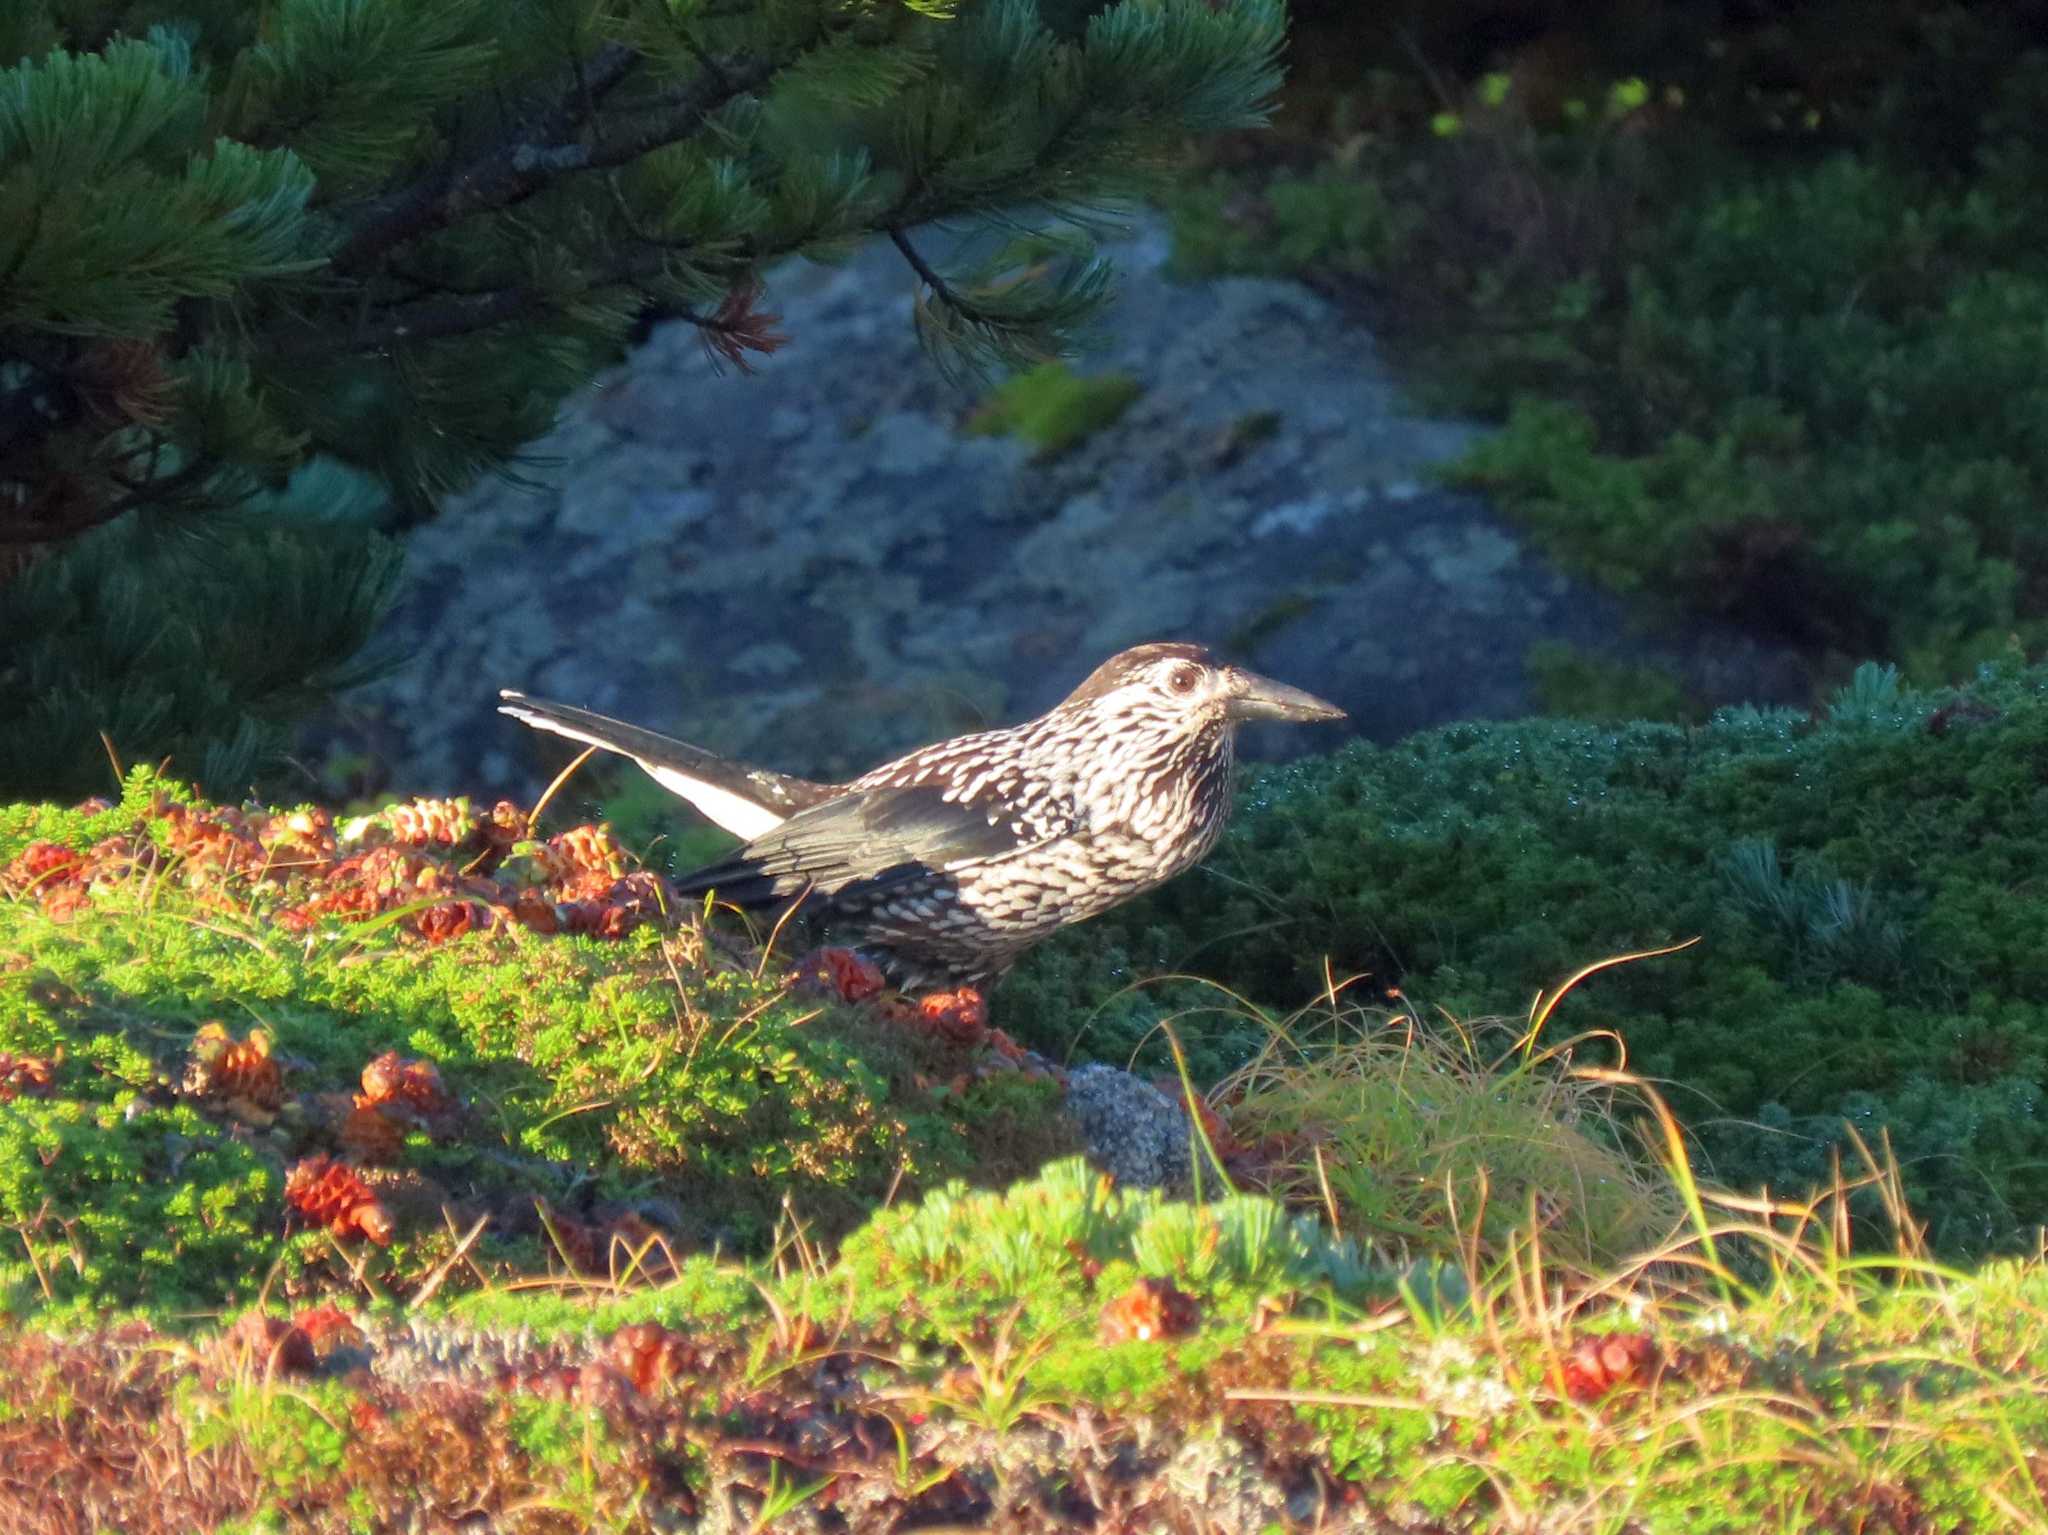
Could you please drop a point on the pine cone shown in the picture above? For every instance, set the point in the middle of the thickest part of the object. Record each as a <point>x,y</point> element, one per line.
<point>500,831</point>
<point>844,973</point>
<point>532,910</point>
<point>25,1076</point>
<point>416,823</point>
<point>638,898</point>
<point>269,1344</point>
<point>212,844</point>
<point>961,1016</point>
<point>602,1247</point>
<point>328,1328</point>
<point>40,866</point>
<point>451,919</point>
<point>1149,1310</point>
<point>370,1135</point>
<point>240,1074</point>
<point>1595,1366</point>
<point>581,1244</point>
<point>299,838</point>
<point>413,1088</point>
<point>648,1355</point>
<point>325,1191</point>
<point>116,858</point>
<point>586,850</point>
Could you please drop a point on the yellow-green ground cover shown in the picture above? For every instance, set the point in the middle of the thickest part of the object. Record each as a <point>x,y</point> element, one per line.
<point>667,1239</point>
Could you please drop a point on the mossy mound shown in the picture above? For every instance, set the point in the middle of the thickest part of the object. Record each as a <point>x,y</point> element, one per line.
<point>1865,883</point>
<point>194,1021</point>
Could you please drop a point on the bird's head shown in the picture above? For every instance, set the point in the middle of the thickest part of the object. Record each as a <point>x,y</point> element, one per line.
<point>1184,686</point>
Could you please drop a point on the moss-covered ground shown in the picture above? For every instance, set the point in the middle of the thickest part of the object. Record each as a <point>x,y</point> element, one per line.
<point>424,1171</point>
<point>197,1002</point>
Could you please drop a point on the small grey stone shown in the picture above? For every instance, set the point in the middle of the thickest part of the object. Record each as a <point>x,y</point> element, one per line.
<point>1134,1132</point>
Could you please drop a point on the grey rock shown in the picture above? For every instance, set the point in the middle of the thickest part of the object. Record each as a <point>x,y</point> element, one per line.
<point>814,566</point>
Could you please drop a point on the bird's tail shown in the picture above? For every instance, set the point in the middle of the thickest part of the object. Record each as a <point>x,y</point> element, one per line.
<point>746,801</point>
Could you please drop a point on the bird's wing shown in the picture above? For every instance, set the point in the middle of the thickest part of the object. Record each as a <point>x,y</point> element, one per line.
<point>746,801</point>
<point>873,838</point>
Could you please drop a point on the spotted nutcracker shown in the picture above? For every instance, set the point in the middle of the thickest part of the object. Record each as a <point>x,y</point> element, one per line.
<point>948,863</point>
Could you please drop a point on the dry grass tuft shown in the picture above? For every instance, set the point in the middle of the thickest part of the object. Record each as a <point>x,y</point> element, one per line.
<point>1450,1138</point>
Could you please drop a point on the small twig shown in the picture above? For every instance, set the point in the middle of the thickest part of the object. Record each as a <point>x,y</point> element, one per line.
<point>533,816</point>
<point>434,1280</point>
<point>120,773</point>
<point>776,931</point>
<point>931,279</point>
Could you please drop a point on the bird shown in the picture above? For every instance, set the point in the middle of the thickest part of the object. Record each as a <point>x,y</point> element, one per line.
<point>945,865</point>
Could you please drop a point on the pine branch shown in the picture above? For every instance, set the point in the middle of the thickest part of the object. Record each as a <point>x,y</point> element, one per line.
<point>464,313</point>
<point>941,290</point>
<point>546,151</point>
<point>95,514</point>
<point>680,114</point>
<point>1007,315</point>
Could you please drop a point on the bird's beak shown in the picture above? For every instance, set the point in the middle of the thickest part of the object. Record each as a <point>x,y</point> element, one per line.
<point>1253,697</point>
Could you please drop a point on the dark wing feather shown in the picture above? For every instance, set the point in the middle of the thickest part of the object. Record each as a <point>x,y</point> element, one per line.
<point>872,837</point>
<point>721,789</point>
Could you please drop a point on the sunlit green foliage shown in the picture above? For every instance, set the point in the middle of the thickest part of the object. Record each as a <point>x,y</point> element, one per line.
<point>641,1069</point>
<point>962,1334</point>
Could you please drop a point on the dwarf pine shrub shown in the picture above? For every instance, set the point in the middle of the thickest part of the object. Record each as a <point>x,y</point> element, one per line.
<point>1865,882</point>
<point>1766,341</point>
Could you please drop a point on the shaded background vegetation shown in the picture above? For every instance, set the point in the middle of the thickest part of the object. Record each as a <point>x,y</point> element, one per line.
<point>1757,291</point>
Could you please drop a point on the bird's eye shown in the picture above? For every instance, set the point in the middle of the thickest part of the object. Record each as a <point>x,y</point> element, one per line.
<point>1181,679</point>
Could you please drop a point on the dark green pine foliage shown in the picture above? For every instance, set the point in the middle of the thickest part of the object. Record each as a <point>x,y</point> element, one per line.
<point>1865,885</point>
<point>273,275</point>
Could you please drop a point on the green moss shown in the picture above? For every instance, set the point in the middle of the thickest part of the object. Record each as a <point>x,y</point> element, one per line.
<point>705,1291</point>
<point>596,1073</point>
<point>1053,408</point>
